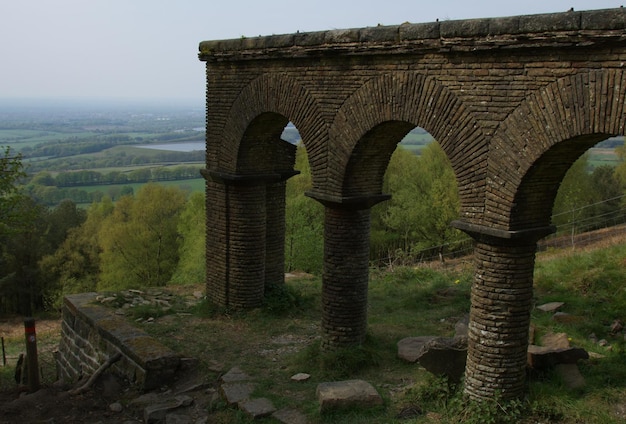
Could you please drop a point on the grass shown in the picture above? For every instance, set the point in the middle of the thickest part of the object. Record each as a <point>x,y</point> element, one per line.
<point>273,343</point>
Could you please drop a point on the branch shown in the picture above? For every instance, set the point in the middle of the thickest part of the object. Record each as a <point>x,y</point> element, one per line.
<point>113,359</point>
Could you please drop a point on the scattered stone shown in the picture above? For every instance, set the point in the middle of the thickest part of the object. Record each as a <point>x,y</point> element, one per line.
<point>156,413</point>
<point>301,376</point>
<point>594,355</point>
<point>216,366</point>
<point>555,341</point>
<point>346,394</point>
<point>445,356</point>
<point>531,334</point>
<point>603,342</point>
<point>551,306</point>
<point>234,375</point>
<point>593,337</point>
<point>116,407</point>
<point>410,348</point>
<point>571,376</point>
<point>541,357</point>
<point>617,326</point>
<point>108,299</point>
<point>198,294</point>
<point>257,408</point>
<point>461,328</point>
<point>289,416</point>
<point>233,393</point>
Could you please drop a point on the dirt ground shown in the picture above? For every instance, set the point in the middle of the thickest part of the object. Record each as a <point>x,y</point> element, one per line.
<point>53,403</point>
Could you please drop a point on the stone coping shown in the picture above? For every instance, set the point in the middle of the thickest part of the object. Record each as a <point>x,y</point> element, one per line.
<point>132,342</point>
<point>494,32</point>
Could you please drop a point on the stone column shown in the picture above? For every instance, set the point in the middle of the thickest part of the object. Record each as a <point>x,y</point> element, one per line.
<point>275,232</point>
<point>501,301</point>
<point>346,269</point>
<point>236,229</point>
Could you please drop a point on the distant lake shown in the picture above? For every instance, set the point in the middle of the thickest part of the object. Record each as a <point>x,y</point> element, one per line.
<point>176,147</point>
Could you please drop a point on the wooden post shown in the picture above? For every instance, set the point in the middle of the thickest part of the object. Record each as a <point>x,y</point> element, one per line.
<point>31,354</point>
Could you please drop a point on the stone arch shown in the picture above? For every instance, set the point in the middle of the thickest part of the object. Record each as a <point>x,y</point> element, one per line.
<point>245,189</point>
<point>376,117</point>
<point>536,145</point>
<point>256,120</point>
<point>529,155</point>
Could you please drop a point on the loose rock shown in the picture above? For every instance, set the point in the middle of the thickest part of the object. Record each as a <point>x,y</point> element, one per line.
<point>347,394</point>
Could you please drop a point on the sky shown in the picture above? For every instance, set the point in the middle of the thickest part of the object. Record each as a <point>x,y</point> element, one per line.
<point>147,49</point>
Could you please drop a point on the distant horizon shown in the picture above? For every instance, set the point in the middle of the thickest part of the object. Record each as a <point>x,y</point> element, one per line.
<point>101,99</point>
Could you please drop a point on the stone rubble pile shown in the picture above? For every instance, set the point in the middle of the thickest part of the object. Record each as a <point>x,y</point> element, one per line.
<point>160,300</point>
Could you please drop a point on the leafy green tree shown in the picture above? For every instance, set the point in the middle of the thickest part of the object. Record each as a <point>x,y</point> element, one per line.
<point>140,239</point>
<point>11,171</point>
<point>606,185</point>
<point>22,287</point>
<point>304,221</point>
<point>574,202</point>
<point>75,265</point>
<point>191,226</point>
<point>424,201</point>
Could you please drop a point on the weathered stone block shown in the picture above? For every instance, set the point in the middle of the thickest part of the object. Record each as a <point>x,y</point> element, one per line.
<point>346,394</point>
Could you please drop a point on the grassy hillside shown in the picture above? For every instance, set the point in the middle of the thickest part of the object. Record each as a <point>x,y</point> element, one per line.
<point>276,342</point>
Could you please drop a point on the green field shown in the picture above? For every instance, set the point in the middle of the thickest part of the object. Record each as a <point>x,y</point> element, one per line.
<point>602,156</point>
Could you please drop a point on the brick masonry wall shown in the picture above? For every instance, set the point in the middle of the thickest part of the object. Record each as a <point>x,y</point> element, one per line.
<point>92,333</point>
<point>512,101</point>
<point>472,84</point>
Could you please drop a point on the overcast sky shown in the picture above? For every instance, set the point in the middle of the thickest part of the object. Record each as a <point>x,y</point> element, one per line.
<point>143,49</point>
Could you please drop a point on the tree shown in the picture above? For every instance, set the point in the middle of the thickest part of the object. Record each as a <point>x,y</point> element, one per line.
<point>22,287</point>
<point>74,267</point>
<point>11,171</point>
<point>139,240</point>
<point>304,221</point>
<point>424,202</point>
<point>192,228</point>
<point>574,202</point>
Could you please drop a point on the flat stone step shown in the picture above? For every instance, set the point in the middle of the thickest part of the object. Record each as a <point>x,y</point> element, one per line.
<point>347,394</point>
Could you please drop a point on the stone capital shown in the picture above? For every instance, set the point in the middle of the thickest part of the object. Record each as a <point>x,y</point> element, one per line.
<point>348,202</point>
<point>491,235</point>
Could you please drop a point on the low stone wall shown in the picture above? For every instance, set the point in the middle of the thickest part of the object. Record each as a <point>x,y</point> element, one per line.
<point>92,333</point>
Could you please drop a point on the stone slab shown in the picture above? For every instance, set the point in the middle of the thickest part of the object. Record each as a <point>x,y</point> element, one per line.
<point>410,348</point>
<point>347,394</point>
<point>551,306</point>
<point>545,357</point>
<point>233,393</point>
<point>257,408</point>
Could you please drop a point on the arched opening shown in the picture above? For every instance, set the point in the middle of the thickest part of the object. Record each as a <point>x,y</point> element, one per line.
<point>304,217</point>
<point>246,210</point>
<point>413,226</point>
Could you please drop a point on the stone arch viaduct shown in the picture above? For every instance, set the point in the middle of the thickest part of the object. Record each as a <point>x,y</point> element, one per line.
<point>513,102</point>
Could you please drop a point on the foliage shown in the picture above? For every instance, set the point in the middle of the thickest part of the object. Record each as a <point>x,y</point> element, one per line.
<point>282,300</point>
<point>75,266</point>
<point>11,171</point>
<point>341,363</point>
<point>24,284</point>
<point>140,239</point>
<point>494,410</point>
<point>424,201</point>
<point>304,243</point>
<point>191,266</point>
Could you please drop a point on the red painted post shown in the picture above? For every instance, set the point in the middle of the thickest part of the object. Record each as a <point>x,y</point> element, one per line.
<point>31,354</point>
